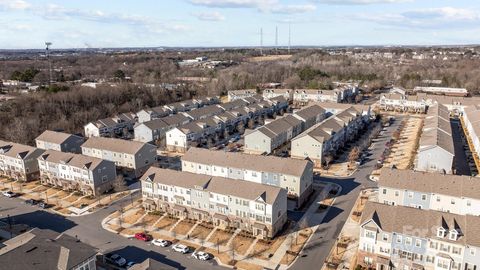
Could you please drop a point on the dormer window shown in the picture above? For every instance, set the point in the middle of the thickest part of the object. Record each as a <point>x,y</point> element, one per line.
<point>441,232</point>
<point>453,235</point>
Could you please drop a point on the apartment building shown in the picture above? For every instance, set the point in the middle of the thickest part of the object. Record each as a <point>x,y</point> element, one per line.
<point>304,96</point>
<point>150,114</point>
<point>335,108</point>
<point>238,94</point>
<point>19,161</point>
<point>293,175</point>
<point>274,92</point>
<point>110,126</point>
<point>436,150</point>
<point>154,130</point>
<point>457,194</point>
<point>69,171</point>
<point>459,92</point>
<point>399,237</point>
<point>204,112</point>
<point>328,136</point>
<point>182,106</point>
<point>253,207</point>
<point>131,156</point>
<point>266,139</point>
<point>59,141</point>
<point>45,249</point>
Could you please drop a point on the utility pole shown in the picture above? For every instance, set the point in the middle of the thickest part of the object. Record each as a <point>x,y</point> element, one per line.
<point>261,41</point>
<point>47,53</point>
<point>289,36</point>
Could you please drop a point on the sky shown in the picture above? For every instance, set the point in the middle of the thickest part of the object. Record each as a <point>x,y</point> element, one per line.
<point>211,23</point>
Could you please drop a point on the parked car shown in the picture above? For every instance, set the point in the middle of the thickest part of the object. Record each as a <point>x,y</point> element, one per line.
<point>200,255</point>
<point>31,202</point>
<point>117,259</point>
<point>181,248</point>
<point>9,194</point>
<point>143,236</point>
<point>43,205</point>
<point>161,242</point>
<point>130,264</point>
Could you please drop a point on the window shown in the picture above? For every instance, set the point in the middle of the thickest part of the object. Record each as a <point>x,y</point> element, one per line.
<point>441,232</point>
<point>453,235</point>
<point>384,191</point>
<point>410,195</point>
<point>370,234</point>
<point>397,193</point>
<point>399,239</point>
<point>438,198</point>
<point>424,197</point>
<point>452,201</point>
<point>472,251</point>
<point>469,203</point>
<point>408,240</point>
<point>385,237</point>
<point>418,243</point>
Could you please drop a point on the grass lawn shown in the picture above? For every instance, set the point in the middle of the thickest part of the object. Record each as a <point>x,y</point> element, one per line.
<point>264,248</point>
<point>183,227</point>
<point>150,219</point>
<point>134,217</point>
<point>200,232</point>
<point>220,236</point>
<point>242,243</point>
<point>166,223</point>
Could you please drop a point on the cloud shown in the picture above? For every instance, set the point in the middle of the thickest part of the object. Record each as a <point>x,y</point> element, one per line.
<point>361,2</point>
<point>270,6</point>
<point>209,16</point>
<point>431,18</point>
<point>14,5</point>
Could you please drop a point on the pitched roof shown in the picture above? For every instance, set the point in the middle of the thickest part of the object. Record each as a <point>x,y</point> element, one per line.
<point>155,124</point>
<point>28,251</point>
<point>114,145</point>
<point>286,166</point>
<point>55,136</point>
<point>237,188</point>
<point>309,112</point>
<point>151,264</point>
<point>436,183</point>
<point>76,160</point>
<point>175,119</point>
<point>437,130</point>
<point>396,218</point>
<point>11,149</point>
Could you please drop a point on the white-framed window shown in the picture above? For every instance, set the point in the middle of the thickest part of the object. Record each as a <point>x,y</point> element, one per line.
<point>399,239</point>
<point>397,193</point>
<point>418,243</point>
<point>472,251</point>
<point>370,234</point>
<point>453,235</point>
<point>385,237</point>
<point>441,232</point>
<point>408,240</point>
<point>424,197</point>
<point>410,194</point>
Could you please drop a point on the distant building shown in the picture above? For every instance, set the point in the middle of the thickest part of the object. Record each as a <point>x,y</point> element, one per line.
<point>461,92</point>
<point>132,156</point>
<point>471,120</point>
<point>42,249</point>
<point>110,126</point>
<point>152,114</point>
<point>252,207</point>
<point>275,92</point>
<point>59,141</point>
<point>236,94</point>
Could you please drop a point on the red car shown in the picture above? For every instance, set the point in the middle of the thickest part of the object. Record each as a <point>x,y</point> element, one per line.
<point>143,236</point>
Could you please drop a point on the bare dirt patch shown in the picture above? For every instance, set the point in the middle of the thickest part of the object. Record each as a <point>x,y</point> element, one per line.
<point>242,243</point>
<point>166,223</point>
<point>183,227</point>
<point>201,231</point>
<point>134,217</point>
<point>220,236</point>
<point>248,266</point>
<point>264,248</point>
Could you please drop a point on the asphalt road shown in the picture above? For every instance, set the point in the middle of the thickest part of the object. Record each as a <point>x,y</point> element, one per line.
<point>89,230</point>
<point>318,248</point>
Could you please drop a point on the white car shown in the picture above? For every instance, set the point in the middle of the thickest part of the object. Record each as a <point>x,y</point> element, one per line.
<point>161,242</point>
<point>181,248</point>
<point>9,194</point>
<point>200,255</point>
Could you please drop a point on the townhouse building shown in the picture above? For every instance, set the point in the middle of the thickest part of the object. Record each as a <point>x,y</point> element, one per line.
<point>110,126</point>
<point>156,130</point>
<point>328,136</point>
<point>456,194</point>
<point>238,94</point>
<point>403,103</point>
<point>399,237</point>
<point>274,92</point>
<point>304,96</point>
<point>59,141</point>
<point>471,121</point>
<point>47,249</point>
<point>436,151</point>
<point>266,139</point>
<point>130,156</point>
<point>19,161</point>
<point>180,139</point>
<point>253,207</point>
<point>204,112</point>
<point>69,171</point>
<point>335,108</point>
<point>150,114</point>
<point>295,176</point>
<point>182,106</point>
